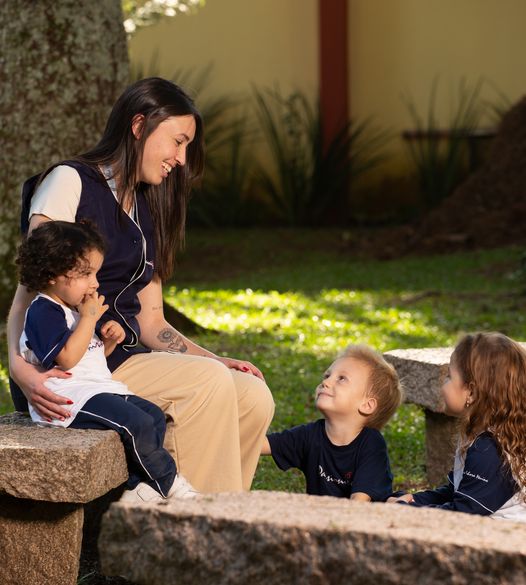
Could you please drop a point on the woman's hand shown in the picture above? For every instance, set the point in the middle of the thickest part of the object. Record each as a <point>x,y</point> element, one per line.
<point>112,331</point>
<point>241,365</point>
<point>31,381</point>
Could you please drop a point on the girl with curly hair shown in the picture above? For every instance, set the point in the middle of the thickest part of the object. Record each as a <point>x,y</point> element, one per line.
<point>60,261</point>
<point>486,388</point>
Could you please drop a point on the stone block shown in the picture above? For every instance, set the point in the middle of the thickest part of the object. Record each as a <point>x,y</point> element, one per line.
<point>422,372</point>
<point>273,538</point>
<point>441,442</point>
<point>56,464</point>
<point>40,542</point>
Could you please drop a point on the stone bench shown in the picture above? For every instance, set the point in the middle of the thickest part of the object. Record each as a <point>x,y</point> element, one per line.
<point>422,372</point>
<point>46,477</point>
<point>269,538</point>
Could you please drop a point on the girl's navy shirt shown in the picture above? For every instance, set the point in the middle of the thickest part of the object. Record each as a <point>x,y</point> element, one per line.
<point>480,484</point>
<point>130,252</point>
<point>332,470</point>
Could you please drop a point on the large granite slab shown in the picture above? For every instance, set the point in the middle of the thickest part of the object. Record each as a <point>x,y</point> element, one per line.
<point>273,538</point>
<point>56,464</point>
<point>40,542</point>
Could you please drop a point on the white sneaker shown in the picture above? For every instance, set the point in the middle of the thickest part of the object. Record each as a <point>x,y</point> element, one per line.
<point>181,488</point>
<point>141,494</point>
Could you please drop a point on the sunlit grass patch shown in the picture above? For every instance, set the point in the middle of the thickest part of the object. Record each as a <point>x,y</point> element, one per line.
<point>296,314</point>
<point>289,307</point>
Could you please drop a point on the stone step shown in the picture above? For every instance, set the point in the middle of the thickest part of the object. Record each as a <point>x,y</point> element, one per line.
<point>54,464</point>
<point>47,474</point>
<point>272,538</point>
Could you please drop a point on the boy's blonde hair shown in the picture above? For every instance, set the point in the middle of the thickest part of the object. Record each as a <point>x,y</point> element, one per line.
<point>384,384</point>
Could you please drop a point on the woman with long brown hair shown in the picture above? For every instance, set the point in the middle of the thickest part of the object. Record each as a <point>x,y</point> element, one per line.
<point>134,186</point>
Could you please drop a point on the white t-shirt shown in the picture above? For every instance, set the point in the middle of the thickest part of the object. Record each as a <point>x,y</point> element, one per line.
<point>47,328</point>
<point>58,196</point>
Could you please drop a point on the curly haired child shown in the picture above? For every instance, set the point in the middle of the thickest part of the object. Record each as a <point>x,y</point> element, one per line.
<point>486,389</point>
<point>60,261</point>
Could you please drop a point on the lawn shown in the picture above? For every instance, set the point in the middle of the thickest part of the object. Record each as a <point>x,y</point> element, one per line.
<point>290,300</point>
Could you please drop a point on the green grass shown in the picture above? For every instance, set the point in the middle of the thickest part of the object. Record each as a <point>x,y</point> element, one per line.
<point>289,300</point>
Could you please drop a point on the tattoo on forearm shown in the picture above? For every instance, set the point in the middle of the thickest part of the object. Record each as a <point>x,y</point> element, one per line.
<point>174,341</point>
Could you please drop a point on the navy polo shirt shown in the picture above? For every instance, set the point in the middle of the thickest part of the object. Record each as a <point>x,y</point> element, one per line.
<point>46,330</point>
<point>333,470</point>
<point>129,260</point>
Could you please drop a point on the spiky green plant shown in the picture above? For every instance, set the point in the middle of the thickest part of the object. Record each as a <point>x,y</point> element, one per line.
<point>308,183</point>
<point>441,157</point>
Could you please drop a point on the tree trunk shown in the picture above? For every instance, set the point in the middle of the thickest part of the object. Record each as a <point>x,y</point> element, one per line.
<point>62,65</point>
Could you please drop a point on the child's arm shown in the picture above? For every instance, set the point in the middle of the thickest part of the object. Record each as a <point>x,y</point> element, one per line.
<point>111,333</point>
<point>90,309</point>
<point>486,483</point>
<point>360,497</point>
<point>265,447</point>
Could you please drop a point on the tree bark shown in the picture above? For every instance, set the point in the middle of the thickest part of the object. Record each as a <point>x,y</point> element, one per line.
<point>63,63</point>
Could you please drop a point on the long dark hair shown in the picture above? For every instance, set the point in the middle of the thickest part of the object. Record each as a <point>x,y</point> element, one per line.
<point>156,100</point>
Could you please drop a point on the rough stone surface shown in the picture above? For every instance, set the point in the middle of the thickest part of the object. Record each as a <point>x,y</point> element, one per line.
<point>39,542</point>
<point>422,373</point>
<point>275,538</point>
<point>62,65</point>
<point>58,465</point>
<point>441,442</point>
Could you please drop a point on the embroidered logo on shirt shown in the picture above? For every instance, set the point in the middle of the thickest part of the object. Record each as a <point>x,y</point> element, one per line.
<point>331,479</point>
<point>475,475</point>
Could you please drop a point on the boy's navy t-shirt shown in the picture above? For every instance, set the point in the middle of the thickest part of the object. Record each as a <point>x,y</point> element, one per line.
<point>332,470</point>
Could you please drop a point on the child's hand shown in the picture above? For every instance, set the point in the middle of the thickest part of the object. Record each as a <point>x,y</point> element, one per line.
<point>92,306</point>
<point>112,331</point>
<point>405,498</point>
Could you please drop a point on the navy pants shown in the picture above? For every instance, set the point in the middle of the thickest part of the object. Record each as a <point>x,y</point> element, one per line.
<point>141,426</point>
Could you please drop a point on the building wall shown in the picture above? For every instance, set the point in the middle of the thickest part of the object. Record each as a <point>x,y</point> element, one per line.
<point>398,47</point>
<point>263,42</point>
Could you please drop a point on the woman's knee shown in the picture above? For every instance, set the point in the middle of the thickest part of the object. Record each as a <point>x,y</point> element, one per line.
<point>257,399</point>
<point>220,379</point>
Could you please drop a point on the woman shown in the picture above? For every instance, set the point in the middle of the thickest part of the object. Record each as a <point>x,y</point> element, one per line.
<point>134,185</point>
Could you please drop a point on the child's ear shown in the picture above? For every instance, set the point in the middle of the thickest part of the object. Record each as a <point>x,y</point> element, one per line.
<point>137,124</point>
<point>470,388</point>
<point>368,406</point>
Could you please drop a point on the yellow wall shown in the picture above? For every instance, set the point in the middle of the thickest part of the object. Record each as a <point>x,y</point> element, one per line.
<point>399,46</point>
<point>260,42</point>
<point>395,47</point>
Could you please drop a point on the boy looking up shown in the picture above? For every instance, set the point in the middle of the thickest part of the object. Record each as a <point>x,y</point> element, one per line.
<point>344,454</point>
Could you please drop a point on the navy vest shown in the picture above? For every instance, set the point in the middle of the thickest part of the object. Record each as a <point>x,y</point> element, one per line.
<point>130,252</point>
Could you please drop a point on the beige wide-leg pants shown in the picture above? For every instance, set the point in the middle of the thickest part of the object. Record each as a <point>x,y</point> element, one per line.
<point>217,417</point>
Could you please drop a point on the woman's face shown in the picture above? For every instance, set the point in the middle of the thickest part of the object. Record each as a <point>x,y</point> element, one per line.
<point>165,148</point>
